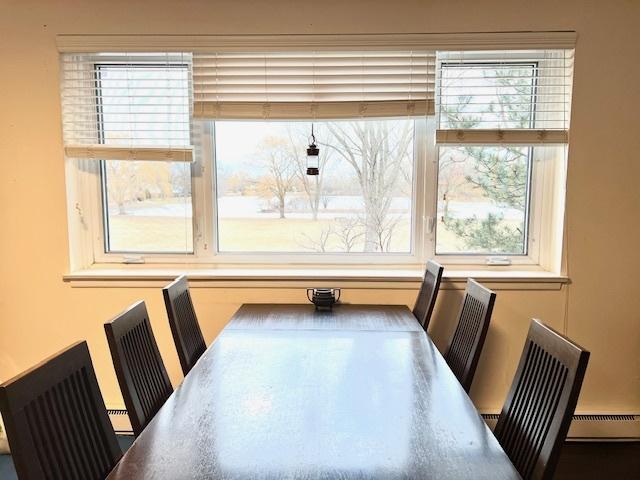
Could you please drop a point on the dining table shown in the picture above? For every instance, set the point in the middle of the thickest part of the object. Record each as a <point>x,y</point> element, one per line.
<point>291,392</point>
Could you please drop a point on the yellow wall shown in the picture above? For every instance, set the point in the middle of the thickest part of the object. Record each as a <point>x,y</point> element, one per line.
<point>40,314</point>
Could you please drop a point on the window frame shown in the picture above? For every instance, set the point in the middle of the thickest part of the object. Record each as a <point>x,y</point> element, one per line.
<point>207,154</point>
<point>546,180</point>
<point>93,193</point>
<point>100,130</point>
<point>543,218</point>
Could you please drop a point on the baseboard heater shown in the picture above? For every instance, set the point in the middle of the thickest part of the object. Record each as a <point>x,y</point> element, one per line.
<point>594,427</point>
<point>584,427</point>
<point>120,421</point>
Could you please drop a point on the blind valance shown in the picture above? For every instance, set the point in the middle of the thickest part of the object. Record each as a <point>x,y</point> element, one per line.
<point>310,85</point>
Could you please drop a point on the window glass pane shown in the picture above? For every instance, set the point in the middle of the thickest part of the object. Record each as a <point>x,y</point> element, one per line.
<point>147,206</point>
<point>360,202</point>
<point>487,96</point>
<point>483,200</point>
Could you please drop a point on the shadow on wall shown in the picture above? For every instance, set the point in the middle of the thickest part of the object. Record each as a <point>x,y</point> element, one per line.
<point>444,318</point>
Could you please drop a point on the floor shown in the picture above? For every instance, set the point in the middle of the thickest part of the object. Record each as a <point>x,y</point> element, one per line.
<point>584,461</point>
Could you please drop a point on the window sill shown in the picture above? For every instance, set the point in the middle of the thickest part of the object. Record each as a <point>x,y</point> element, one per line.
<point>399,278</point>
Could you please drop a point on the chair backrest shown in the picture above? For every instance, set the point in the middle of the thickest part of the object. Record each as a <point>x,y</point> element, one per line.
<point>465,345</point>
<point>56,420</point>
<point>139,367</point>
<point>537,413</point>
<point>184,324</point>
<point>428,293</point>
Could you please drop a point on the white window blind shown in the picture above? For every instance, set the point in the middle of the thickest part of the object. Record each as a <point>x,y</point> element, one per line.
<point>127,106</point>
<point>514,97</point>
<point>310,85</point>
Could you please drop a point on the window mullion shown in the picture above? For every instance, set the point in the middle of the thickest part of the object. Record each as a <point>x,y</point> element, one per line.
<point>430,199</point>
<point>204,203</point>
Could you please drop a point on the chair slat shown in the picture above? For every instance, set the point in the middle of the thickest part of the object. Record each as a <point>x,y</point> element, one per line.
<point>141,373</point>
<point>184,323</point>
<point>536,416</point>
<point>428,293</point>
<point>56,421</point>
<point>465,345</point>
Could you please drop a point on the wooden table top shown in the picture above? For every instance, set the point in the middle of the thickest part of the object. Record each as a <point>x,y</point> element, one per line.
<point>306,317</point>
<point>333,396</point>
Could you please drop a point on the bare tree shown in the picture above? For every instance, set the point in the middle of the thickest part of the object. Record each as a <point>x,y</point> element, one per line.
<point>280,172</point>
<point>451,179</point>
<point>325,199</point>
<point>181,179</point>
<point>319,244</point>
<point>122,180</point>
<point>385,231</point>
<point>377,152</point>
<point>349,232</point>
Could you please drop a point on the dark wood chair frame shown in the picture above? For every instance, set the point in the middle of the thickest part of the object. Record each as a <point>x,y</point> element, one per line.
<point>465,345</point>
<point>141,373</point>
<point>56,420</point>
<point>538,410</point>
<point>426,299</point>
<point>183,321</point>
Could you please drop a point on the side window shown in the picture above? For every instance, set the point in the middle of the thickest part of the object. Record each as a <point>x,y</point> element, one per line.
<point>147,204</point>
<point>484,191</point>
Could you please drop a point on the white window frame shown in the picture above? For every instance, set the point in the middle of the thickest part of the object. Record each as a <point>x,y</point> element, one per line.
<point>416,254</point>
<point>84,198</point>
<point>546,190</point>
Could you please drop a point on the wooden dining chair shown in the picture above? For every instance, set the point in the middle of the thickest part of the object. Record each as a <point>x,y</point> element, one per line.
<point>428,293</point>
<point>465,345</point>
<point>56,421</point>
<point>139,367</point>
<point>536,416</point>
<point>183,322</point>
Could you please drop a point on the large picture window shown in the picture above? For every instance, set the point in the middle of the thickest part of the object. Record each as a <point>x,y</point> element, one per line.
<point>361,201</point>
<point>457,156</point>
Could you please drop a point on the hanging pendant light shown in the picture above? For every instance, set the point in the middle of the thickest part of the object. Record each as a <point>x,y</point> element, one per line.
<point>313,153</point>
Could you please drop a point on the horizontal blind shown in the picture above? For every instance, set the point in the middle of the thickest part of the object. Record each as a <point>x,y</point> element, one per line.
<point>504,96</point>
<point>127,106</point>
<point>290,85</point>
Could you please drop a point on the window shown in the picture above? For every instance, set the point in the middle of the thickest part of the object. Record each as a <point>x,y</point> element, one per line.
<point>180,157</point>
<point>483,200</point>
<point>361,202</point>
<point>484,191</point>
<point>147,204</point>
<point>493,117</point>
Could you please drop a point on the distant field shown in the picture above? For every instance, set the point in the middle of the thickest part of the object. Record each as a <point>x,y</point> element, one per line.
<point>153,234</point>
<point>161,225</point>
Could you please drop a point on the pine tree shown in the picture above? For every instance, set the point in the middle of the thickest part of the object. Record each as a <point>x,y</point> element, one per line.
<point>499,173</point>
